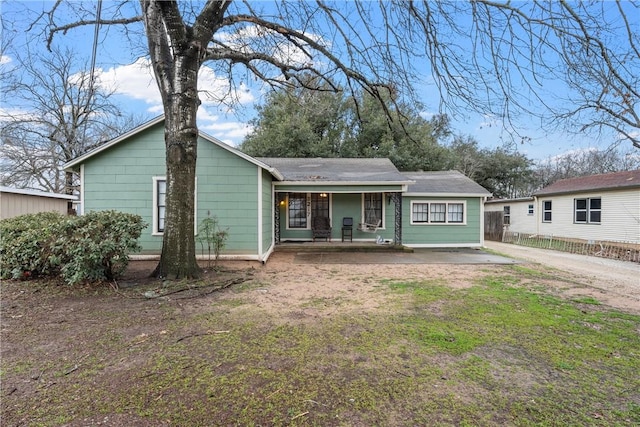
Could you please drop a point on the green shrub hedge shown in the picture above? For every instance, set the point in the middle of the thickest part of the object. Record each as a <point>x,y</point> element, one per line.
<point>91,247</point>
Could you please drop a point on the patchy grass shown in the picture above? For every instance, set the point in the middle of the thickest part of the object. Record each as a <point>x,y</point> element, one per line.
<point>498,352</point>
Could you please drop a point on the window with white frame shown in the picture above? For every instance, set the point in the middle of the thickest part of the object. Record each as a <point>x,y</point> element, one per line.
<point>160,205</point>
<point>437,212</point>
<point>297,210</point>
<point>546,211</point>
<point>372,207</point>
<point>530,209</point>
<point>587,210</point>
<point>506,215</point>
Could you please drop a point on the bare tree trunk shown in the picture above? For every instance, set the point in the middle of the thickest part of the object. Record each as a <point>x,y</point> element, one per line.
<point>176,69</point>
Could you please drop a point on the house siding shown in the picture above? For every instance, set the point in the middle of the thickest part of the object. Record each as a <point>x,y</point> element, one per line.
<point>620,220</point>
<point>120,178</point>
<point>443,235</point>
<point>14,204</point>
<point>521,221</point>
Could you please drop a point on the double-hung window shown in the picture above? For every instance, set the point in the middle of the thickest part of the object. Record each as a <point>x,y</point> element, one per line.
<point>437,212</point>
<point>160,205</point>
<point>297,210</point>
<point>587,210</point>
<point>506,215</point>
<point>546,211</point>
<point>373,208</point>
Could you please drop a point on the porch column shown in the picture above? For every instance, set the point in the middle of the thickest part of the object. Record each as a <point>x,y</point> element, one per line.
<point>276,218</point>
<point>396,198</point>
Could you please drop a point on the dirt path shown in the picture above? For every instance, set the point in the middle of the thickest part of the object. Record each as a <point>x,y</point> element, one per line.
<point>614,282</point>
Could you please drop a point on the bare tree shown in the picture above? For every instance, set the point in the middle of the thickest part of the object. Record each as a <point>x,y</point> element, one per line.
<point>62,115</point>
<point>494,57</point>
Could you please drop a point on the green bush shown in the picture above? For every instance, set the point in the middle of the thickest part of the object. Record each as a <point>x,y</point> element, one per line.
<point>25,245</point>
<point>91,247</point>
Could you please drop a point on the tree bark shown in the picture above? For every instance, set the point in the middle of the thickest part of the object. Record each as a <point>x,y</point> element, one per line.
<point>176,58</point>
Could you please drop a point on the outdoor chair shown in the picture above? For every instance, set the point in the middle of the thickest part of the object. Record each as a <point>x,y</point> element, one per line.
<point>321,228</point>
<point>347,228</point>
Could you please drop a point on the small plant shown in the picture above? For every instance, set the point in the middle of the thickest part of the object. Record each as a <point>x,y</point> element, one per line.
<point>209,233</point>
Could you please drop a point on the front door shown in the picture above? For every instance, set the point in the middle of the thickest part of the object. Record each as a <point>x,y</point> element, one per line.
<point>319,205</point>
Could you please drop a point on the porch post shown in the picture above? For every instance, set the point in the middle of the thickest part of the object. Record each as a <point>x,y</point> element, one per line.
<point>397,202</point>
<point>276,218</point>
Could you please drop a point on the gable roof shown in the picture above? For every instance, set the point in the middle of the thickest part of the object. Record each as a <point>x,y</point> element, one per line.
<point>609,181</point>
<point>337,170</point>
<point>444,184</point>
<point>81,159</point>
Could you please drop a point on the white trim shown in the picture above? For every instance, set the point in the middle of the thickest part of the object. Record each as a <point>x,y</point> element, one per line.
<point>154,206</point>
<point>82,190</point>
<point>482,202</point>
<point>477,195</point>
<point>259,211</point>
<point>113,142</point>
<point>362,212</point>
<point>160,119</point>
<point>444,245</point>
<point>222,257</point>
<point>446,213</point>
<point>27,192</point>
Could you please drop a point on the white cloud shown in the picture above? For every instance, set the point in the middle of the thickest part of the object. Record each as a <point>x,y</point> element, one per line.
<point>4,59</point>
<point>132,80</point>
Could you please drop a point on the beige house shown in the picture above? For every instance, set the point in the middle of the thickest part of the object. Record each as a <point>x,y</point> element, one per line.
<point>594,208</point>
<point>14,202</point>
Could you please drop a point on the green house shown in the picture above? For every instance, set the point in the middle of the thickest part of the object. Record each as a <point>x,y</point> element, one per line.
<point>263,202</point>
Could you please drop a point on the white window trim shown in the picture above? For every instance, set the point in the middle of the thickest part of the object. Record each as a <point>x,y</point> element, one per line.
<point>308,212</point>
<point>587,210</point>
<point>547,210</point>
<point>154,207</point>
<point>362,213</point>
<point>446,214</point>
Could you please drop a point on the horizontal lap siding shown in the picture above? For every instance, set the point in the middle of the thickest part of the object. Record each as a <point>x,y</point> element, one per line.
<point>521,221</point>
<point>620,219</point>
<point>120,178</point>
<point>442,234</point>
<point>228,189</point>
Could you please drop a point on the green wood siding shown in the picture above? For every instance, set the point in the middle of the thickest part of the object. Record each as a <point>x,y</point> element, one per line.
<point>442,234</point>
<point>227,187</point>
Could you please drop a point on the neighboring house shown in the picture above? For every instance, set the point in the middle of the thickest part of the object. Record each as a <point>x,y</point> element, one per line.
<point>265,201</point>
<point>15,202</point>
<point>599,207</point>
<point>517,214</point>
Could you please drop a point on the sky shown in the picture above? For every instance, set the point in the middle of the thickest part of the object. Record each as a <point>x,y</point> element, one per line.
<point>122,67</point>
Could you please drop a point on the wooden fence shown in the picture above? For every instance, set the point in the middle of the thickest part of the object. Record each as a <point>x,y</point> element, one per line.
<point>493,226</point>
<point>615,250</point>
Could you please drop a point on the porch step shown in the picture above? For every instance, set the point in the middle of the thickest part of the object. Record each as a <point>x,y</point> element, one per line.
<point>338,247</point>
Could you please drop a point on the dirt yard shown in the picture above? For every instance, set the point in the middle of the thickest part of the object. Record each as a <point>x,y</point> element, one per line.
<point>64,329</point>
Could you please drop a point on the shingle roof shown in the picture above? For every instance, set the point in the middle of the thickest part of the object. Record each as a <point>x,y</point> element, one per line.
<point>340,170</point>
<point>609,181</point>
<point>443,182</point>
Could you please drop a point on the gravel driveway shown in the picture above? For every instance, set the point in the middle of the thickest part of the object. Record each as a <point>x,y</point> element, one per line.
<point>619,279</point>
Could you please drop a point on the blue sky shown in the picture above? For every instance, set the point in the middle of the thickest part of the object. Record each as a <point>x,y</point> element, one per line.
<point>121,66</point>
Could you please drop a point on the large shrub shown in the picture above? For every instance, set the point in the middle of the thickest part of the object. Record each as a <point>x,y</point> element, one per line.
<point>25,245</point>
<point>91,247</point>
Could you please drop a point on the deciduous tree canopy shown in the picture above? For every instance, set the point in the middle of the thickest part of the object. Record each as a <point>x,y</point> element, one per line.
<point>499,58</point>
